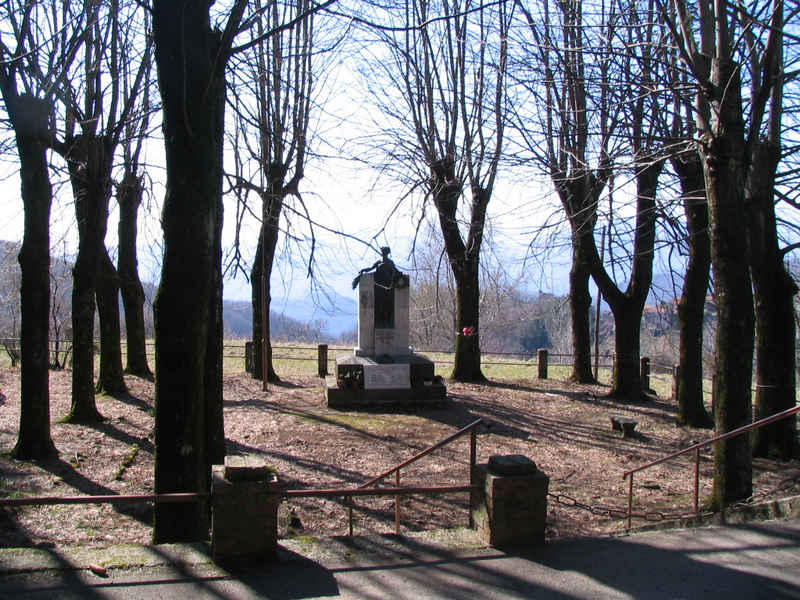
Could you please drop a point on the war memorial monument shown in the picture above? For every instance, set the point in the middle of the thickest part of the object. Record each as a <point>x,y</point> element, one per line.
<point>383,370</point>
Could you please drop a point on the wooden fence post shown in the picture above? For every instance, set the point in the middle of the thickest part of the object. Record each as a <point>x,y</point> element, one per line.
<point>644,372</point>
<point>676,375</point>
<point>542,359</point>
<point>248,357</point>
<point>322,360</point>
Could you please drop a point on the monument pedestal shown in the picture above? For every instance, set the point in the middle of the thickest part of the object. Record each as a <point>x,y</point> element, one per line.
<point>362,381</point>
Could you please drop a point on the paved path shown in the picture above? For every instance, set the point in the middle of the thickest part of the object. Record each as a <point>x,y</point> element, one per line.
<point>744,561</point>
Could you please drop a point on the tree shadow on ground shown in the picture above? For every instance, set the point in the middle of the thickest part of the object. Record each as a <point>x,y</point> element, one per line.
<point>463,411</point>
<point>114,432</point>
<point>284,384</point>
<point>132,400</point>
<point>641,569</point>
<point>347,476</point>
<point>637,567</point>
<point>12,532</point>
<point>141,511</point>
<point>316,416</point>
<point>511,422</point>
<point>589,395</point>
<point>248,403</point>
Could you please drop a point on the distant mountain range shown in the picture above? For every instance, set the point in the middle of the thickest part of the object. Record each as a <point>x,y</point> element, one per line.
<point>293,318</point>
<point>290,319</point>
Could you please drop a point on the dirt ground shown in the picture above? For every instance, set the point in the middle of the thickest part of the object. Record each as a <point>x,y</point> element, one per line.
<point>564,428</point>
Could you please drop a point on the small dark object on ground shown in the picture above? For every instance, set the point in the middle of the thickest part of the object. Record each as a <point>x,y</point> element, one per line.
<point>623,424</point>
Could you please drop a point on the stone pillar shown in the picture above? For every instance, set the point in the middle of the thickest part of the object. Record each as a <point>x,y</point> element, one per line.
<point>509,506</point>
<point>244,511</point>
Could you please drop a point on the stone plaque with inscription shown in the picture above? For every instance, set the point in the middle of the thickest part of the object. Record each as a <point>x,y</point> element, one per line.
<point>387,377</point>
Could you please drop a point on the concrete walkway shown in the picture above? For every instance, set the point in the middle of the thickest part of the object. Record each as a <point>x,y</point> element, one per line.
<point>743,561</point>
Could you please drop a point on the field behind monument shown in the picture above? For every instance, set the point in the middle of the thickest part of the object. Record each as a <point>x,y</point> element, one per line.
<point>563,427</point>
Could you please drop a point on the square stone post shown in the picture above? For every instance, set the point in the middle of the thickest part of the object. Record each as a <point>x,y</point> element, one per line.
<point>244,511</point>
<point>509,506</point>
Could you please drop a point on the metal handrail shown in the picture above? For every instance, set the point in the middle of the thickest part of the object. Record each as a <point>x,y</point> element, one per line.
<point>397,490</point>
<point>469,428</point>
<point>696,447</point>
<point>108,499</point>
<point>389,491</point>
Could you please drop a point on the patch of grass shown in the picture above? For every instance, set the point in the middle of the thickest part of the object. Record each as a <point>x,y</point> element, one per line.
<point>126,462</point>
<point>7,491</point>
<point>304,542</point>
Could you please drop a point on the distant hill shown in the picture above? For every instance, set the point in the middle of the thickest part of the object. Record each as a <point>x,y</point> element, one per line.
<point>336,314</point>
<point>292,320</point>
<point>299,322</point>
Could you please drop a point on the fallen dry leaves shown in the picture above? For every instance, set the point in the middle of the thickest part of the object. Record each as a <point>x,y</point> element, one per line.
<point>563,427</point>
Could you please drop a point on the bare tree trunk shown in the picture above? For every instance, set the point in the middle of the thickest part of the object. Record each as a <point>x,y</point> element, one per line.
<point>580,303</point>
<point>86,160</point>
<point>191,59</point>
<point>260,281</point>
<point>29,117</point>
<point>579,198</point>
<point>691,305</point>
<point>725,168</point>
<point>464,264</point>
<point>467,360</point>
<point>626,378</point>
<point>257,310</point>
<point>110,379</point>
<point>129,197</point>
<point>628,305</point>
<point>215,427</point>
<point>774,291</point>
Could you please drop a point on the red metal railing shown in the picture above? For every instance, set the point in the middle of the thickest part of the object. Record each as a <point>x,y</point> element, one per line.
<point>110,499</point>
<point>696,448</point>
<point>365,489</point>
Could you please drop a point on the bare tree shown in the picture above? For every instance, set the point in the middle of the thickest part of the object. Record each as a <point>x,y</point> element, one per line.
<point>774,288</point>
<point>716,45</point>
<point>191,58</point>
<point>129,193</point>
<point>273,89</point>
<point>570,79</point>
<point>42,41</point>
<point>94,114</point>
<point>445,77</point>
<point>61,346</point>
<point>637,71</point>
<point>691,306</point>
